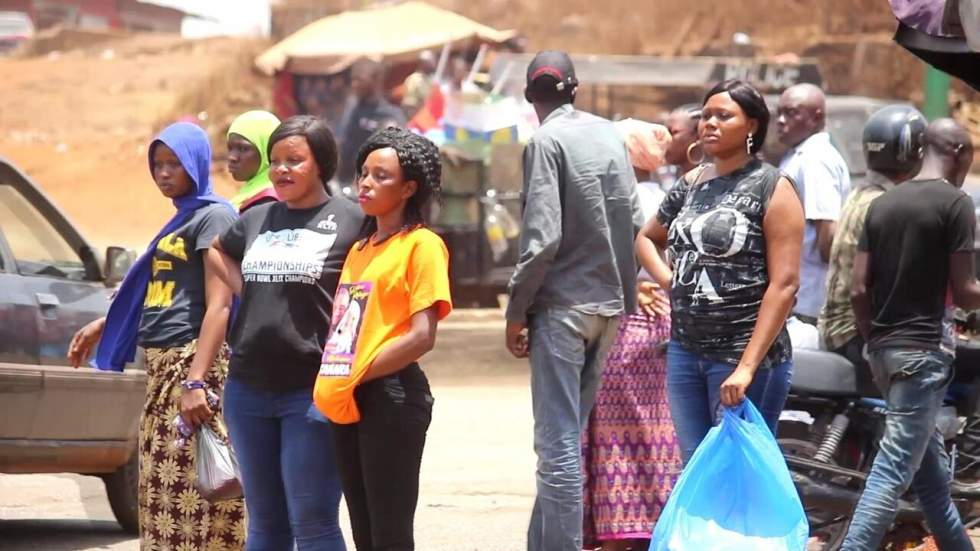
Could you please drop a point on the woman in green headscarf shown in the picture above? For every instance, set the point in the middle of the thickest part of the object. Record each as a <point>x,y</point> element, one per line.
<point>248,158</point>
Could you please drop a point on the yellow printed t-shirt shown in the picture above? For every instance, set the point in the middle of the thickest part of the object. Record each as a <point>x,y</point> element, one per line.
<point>381,287</point>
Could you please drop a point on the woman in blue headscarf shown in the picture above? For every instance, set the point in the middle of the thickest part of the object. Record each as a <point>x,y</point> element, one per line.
<point>173,306</point>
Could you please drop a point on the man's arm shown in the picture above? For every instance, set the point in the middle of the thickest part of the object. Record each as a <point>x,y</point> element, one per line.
<point>822,202</point>
<point>825,237</point>
<point>541,230</point>
<point>637,210</point>
<point>861,294</point>
<point>960,231</point>
<point>963,280</point>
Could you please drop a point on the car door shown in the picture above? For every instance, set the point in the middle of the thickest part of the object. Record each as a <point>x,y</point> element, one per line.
<point>18,321</point>
<point>58,272</point>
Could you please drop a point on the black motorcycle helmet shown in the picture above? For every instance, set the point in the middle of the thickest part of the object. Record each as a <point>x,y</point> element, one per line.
<point>893,139</point>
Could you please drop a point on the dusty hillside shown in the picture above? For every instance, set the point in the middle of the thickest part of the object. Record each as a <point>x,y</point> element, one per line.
<point>78,121</point>
<point>621,26</point>
<point>850,39</point>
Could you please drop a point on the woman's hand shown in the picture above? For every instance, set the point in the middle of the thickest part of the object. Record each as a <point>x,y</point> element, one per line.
<point>652,300</point>
<point>84,341</point>
<point>194,406</point>
<point>648,245</point>
<point>734,387</point>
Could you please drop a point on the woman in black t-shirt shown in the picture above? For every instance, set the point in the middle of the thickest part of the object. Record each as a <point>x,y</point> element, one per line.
<point>733,230</point>
<point>284,260</point>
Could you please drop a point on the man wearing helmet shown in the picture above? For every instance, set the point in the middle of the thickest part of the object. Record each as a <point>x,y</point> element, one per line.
<point>915,260</point>
<point>887,147</point>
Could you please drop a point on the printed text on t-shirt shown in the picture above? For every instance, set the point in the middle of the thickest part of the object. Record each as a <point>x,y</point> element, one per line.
<point>287,256</point>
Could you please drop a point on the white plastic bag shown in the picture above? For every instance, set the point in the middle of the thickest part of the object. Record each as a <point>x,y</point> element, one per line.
<point>217,468</point>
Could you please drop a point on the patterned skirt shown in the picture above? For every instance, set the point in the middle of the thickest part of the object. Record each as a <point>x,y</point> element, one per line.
<point>631,459</point>
<point>173,516</point>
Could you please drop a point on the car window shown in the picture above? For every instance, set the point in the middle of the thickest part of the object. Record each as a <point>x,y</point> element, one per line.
<point>37,246</point>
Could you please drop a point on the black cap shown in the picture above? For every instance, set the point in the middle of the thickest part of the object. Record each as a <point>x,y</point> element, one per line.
<point>554,64</point>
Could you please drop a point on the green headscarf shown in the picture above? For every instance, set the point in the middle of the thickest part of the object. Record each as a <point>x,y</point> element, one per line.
<point>256,127</point>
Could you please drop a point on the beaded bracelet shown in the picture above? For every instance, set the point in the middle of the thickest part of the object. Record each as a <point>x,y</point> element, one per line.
<point>193,385</point>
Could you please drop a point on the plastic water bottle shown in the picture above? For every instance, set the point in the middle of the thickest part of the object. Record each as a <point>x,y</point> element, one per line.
<point>185,429</point>
<point>499,226</point>
<point>495,235</point>
<point>510,226</point>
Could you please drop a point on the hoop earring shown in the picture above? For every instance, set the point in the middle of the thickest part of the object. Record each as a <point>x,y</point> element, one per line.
<point>748,145</point>
<point>691,159</point>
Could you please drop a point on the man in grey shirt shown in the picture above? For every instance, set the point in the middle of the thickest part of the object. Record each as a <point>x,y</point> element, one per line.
<point>575,277</point>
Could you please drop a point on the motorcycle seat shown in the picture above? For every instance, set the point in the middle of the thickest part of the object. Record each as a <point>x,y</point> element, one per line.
<point>823,373</point>
<point>967,358</point>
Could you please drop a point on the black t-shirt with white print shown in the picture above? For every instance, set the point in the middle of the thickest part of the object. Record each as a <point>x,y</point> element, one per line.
<point>291,261</point>
<point>718,252</point>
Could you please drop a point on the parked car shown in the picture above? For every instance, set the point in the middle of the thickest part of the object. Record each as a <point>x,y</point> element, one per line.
<point>15,28</point>
<point>54,418</point>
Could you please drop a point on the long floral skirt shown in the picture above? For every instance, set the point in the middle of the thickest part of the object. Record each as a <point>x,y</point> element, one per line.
<point>630,454</point>
<point>172,515</point>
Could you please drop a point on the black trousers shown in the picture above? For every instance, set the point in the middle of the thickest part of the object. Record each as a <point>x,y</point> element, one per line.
<point>379,459</point>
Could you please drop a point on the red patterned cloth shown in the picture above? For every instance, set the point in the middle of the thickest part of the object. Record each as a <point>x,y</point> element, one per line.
<point>631,459</point>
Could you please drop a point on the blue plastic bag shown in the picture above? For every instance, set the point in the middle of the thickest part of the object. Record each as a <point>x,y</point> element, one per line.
<point>735,494</point>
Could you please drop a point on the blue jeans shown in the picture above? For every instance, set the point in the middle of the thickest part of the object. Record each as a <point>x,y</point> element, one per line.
<point>286,456</point>
<point>567,350</point>
<point>694,393</point>
<point>913,383</point>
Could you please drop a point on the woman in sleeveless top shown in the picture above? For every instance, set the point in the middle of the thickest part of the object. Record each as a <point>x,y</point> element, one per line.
<point>733,230</point>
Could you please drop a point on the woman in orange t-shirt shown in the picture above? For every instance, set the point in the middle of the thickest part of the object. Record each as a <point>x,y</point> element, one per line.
<point>393,291</point>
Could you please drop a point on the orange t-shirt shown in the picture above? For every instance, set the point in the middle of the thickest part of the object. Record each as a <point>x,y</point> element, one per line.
<point>381,287</point>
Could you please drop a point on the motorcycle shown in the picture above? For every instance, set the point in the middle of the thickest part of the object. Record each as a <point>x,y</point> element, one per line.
<point>834,419</point>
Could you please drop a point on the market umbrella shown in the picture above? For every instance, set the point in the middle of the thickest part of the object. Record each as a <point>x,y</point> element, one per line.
<point>932,30</point>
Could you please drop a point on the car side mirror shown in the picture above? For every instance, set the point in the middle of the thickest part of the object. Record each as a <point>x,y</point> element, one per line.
<point>118,261</point>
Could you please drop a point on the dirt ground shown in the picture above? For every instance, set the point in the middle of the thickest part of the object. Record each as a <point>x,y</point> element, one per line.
<point>477,481</point>
<point>79,121</point>
<point>477,473</point>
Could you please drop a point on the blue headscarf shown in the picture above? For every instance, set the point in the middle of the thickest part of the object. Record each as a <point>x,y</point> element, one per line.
<point>190,143</point>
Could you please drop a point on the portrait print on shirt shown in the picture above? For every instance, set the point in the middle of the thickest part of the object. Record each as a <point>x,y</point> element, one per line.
<point>350,304</point>
<point>287,256</point>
